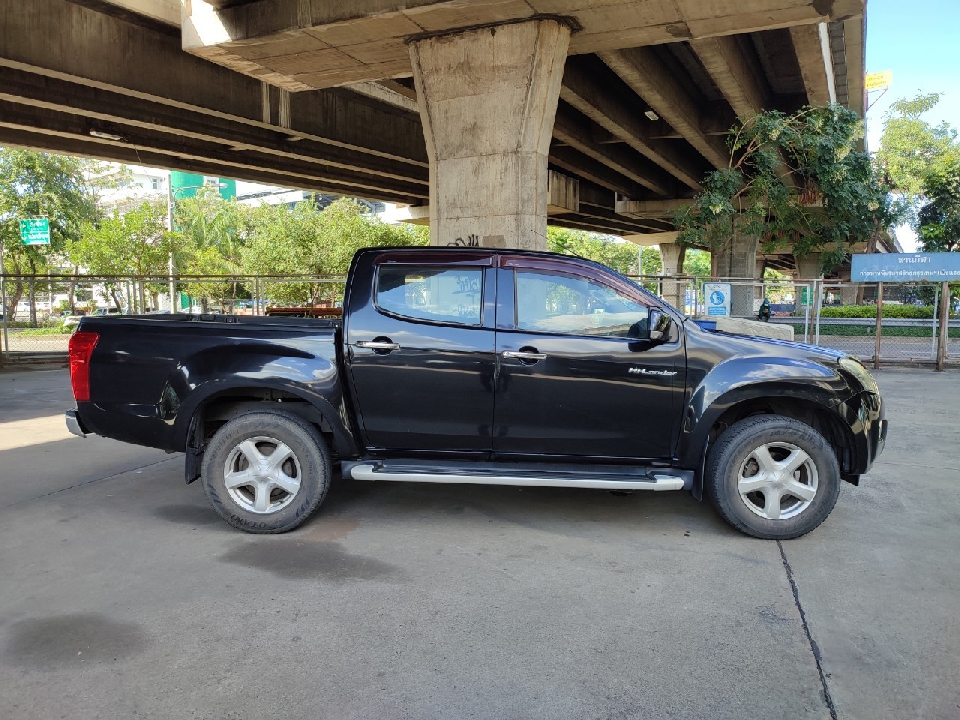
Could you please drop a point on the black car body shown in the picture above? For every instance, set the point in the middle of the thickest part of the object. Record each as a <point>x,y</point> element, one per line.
<point>482,365</point>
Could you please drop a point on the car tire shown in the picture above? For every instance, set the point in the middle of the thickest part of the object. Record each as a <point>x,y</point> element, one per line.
<point>254,493</point>
<point>772,477</point>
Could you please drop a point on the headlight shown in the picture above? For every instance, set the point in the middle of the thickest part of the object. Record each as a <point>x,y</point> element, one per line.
<point>856,368</point>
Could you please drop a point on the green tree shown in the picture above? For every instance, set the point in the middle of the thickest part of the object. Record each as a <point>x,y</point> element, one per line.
<point>207,220</point>
<point>307,240</point>
<point>922,162</point>
<point>134,243</point>
<point>841,200</point>
<point>211,233</point>
<point>696,263</point>
<point>35,184</point>
<point>938,221</point>
<point>912,150</point>
<point>605,249</point>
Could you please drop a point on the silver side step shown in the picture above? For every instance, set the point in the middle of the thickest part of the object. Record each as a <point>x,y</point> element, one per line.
<point>654,480</point>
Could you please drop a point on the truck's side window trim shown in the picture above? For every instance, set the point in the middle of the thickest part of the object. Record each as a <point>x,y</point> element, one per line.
<point>431,294</point>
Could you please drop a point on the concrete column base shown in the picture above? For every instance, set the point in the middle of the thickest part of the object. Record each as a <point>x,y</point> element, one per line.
<point>808,266</point>
<point>739,260</point>
<point>848,294</point>
<point>673,291</point>
<point>488,97</point>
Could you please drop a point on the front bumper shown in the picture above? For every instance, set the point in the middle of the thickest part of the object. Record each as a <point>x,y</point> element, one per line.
<point>869,428</point>
<point>74,425</point>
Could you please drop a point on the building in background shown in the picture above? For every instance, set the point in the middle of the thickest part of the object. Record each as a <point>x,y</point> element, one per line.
<point>123,187</point>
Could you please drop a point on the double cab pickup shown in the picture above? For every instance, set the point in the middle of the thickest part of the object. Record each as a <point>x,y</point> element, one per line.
<point>455,365</point>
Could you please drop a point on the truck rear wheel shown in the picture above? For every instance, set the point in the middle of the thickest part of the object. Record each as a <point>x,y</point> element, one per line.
<point>266,472</point>
<point>773,477</point>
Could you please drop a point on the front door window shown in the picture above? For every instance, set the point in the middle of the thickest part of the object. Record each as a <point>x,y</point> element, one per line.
<point>554,303</point>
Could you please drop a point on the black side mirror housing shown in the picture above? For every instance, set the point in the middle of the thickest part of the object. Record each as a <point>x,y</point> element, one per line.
<point>660,323</point>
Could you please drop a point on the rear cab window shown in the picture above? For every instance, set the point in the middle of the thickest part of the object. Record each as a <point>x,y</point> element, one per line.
<point>438,294</point>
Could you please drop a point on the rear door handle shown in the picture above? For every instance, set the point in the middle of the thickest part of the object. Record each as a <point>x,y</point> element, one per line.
<point>524,355</point>
<point>378,345</point>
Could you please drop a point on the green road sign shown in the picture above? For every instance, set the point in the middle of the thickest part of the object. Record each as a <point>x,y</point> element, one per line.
<point>805,296</point>
<point>35,231</point>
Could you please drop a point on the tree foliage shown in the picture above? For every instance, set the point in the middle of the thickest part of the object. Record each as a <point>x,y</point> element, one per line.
<point>922,162</point>
<point>605,249</point>
<point>912,150</point>
<point>36,184</point>
<point>307,240</point>
<point>133,243</point>
<point>208,223</point>
<point>841,198</point>
<point>938,222</point>
<point>696,263</point>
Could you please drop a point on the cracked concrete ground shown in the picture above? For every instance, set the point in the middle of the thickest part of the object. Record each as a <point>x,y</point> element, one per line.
<point>123,595</point>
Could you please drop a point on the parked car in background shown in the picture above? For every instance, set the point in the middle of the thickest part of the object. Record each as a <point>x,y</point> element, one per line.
<point>74,320</point>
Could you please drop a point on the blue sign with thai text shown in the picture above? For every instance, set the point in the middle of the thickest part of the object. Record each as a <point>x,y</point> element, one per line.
<point>905,267</point>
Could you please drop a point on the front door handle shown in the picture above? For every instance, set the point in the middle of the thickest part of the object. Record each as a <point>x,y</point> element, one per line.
<point>529,355</point>
<point>378,345</point>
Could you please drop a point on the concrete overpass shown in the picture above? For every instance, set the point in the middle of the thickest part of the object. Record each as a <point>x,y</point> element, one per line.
<point>483,115</point>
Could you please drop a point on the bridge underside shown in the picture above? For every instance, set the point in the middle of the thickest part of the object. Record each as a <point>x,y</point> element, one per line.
<point>326,96</point>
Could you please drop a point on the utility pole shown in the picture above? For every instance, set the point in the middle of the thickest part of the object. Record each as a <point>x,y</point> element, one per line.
<point>3,306</point>
<point>171,283</point>
<point>944,326</point>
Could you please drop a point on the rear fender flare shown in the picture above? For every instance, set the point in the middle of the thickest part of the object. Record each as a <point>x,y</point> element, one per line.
<point>315,380</point>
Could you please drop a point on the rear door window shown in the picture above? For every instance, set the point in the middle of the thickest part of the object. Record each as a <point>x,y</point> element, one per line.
<point>452,295</point>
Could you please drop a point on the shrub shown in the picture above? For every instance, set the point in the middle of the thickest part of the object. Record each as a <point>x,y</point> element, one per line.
<point>908,312</point>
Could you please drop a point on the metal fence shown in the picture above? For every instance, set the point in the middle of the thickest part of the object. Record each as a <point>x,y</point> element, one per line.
<point>39,313</point>
<point>842,315</point>
<point>822,312</point>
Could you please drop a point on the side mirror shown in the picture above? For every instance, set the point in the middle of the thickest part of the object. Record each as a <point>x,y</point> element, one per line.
<point>660,324</point>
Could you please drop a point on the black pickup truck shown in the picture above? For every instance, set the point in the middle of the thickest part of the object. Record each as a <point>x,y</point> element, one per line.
<point>482,366</point>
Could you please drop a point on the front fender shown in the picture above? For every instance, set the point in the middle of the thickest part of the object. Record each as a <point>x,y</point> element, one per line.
<point>742,379</point>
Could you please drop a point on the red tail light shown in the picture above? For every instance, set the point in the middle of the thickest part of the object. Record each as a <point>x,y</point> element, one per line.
<point>81,348</point>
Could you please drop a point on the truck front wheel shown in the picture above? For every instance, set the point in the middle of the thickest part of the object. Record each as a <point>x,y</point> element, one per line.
<point>772,477</point>
<point>266,472</point>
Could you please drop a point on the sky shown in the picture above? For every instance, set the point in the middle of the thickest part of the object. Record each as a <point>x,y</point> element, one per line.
<point>917,40</point>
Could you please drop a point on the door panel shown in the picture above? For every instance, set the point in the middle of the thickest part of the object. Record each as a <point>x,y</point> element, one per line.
<point>580,376</point>
<point>422,360</point>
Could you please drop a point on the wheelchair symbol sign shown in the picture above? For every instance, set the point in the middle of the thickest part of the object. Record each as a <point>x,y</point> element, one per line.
<point>718,298</point>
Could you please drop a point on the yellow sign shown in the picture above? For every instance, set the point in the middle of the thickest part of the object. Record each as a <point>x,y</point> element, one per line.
<point>880,80</point>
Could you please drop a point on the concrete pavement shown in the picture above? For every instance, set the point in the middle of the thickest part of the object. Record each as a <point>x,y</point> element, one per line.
<point>123,595</point>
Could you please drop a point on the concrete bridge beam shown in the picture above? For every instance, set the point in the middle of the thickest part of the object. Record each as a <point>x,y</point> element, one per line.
<point>488,98</point>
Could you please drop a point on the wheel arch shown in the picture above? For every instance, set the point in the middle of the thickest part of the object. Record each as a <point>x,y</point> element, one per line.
<point>219,405</point>
<point>820,414</point>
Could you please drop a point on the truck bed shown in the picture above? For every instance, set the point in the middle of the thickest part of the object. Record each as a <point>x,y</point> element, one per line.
<point>147,372</point>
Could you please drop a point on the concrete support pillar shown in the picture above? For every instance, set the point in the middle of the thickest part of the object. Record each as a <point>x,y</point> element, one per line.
<point>488,98</point>
<point>761,267</point>
<point>671,257</point>
<point>808,266</point>
<point>849,294</point>
<point>739,260</point>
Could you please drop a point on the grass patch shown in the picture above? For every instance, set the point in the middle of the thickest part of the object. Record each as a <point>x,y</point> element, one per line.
<point>35,332</point>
